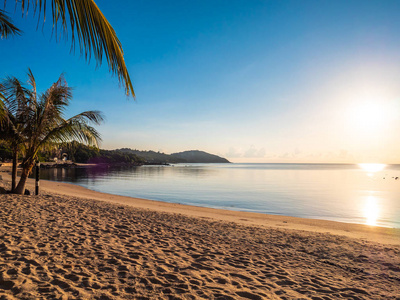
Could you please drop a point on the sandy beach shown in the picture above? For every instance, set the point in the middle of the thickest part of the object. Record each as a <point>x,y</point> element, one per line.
<point>73,243</point>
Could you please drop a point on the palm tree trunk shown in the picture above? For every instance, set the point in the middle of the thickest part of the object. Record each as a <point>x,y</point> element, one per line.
<point>20,189</point>
<point>14,170</point>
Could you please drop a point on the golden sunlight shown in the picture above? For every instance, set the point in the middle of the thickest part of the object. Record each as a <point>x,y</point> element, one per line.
<point>372,168</point>
<point>370,117</point>
<point>371,210</point>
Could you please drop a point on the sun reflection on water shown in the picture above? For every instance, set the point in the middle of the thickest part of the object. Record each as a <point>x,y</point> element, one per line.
<point>371,210</point>
<point>372,168</point>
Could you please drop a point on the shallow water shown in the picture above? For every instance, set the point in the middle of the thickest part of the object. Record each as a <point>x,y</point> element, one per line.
<point>346,193</point>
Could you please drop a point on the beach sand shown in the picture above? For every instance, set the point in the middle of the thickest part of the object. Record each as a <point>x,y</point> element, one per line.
<point>72,243</point>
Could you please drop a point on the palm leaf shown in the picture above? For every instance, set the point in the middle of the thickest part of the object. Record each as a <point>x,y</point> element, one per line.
<point>15,96</point>
<point>93,116</point>
<point>92,30</point>
<point>72,130</point>
<point>2,106</point>
<point>6,27</point>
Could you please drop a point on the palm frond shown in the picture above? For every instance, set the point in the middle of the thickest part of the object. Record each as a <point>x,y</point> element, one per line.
<point>6,27</point>
<point>54,129</point>
<point>78,128</point>
<point>15,96</point>
<point>94,33</point>
<point>32,83</point>
<point>94,116</point>
<point>2,106</point>
<point>70,131</point>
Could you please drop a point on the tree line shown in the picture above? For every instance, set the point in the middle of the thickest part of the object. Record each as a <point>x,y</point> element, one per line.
<point>78,153</point>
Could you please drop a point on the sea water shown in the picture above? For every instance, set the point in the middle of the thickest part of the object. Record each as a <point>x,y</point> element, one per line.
<point>364,194</point>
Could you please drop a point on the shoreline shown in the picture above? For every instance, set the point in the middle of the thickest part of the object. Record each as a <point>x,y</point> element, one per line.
<point>384,235</point>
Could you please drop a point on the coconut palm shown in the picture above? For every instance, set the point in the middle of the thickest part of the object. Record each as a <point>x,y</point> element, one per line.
<point>8,134</point>
<point>87,24</point>
<point>12,120</point>
<point>44,125</point>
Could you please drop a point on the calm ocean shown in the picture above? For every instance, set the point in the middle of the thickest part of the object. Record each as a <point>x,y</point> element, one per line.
<point>367,194</point>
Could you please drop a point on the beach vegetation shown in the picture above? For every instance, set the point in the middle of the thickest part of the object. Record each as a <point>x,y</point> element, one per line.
<point>11,126</point>
<point>87,154</point>
<point>86,24</point>
<point>116,157</point>
<point>5,151</point>
<point>80,153</point>
<point>36,122</point>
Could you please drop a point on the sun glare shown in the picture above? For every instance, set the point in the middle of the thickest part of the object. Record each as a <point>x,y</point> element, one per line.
<point>369,117</point>
<point>371,210</point>
<point>372,168</point>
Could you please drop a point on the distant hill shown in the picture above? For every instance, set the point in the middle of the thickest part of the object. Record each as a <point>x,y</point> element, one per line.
<point>80,153</point>
<point>196,156</point>
<point>193,156</point>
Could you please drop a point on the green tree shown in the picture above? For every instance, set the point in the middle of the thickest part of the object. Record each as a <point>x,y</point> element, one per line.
<point>86,23</point>
<point>44,126</point>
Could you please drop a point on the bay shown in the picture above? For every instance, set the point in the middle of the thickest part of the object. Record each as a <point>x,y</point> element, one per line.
<point>363,194</point>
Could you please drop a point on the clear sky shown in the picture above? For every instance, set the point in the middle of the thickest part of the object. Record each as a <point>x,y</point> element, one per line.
<point>253,81</point>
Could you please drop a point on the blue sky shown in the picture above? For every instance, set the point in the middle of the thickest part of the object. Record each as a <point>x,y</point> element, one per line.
<point>253,81</point>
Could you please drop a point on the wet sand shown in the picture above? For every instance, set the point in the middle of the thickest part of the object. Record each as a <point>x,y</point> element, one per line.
<point>72,243</point>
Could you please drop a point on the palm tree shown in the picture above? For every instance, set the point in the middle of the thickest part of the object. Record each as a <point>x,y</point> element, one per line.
<point>44,125</point>
<point>94,33</point>
<point>12,120</point>
<point>9,133</point>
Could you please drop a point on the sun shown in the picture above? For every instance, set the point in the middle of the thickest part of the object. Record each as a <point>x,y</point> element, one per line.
<point>369,117</point>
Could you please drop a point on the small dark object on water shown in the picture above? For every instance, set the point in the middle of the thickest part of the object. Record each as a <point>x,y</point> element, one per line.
<point>396,178</point>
